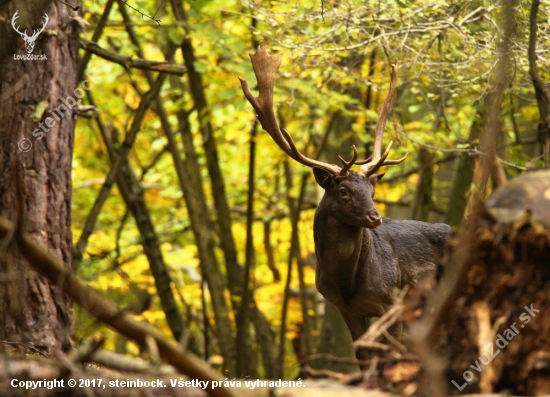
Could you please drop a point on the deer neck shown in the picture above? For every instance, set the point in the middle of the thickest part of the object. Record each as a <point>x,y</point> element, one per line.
<point>341,249</point>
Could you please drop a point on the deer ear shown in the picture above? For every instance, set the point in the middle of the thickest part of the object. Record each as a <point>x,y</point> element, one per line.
<point>323,177</point>
<point>373,179</point>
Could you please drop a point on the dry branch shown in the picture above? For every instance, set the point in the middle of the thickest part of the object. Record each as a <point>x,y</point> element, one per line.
<point>106,311</point>
<point>128,62</point>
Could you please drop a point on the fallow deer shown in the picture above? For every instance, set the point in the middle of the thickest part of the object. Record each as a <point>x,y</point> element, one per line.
<point>361,257</point>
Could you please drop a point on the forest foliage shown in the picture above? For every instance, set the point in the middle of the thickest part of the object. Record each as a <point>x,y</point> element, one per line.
<point>333,78</point>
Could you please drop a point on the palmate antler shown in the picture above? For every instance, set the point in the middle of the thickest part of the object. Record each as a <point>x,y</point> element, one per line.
<point>265,68</point>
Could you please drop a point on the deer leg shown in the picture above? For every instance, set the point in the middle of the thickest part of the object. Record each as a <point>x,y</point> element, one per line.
<point>396,331</point>
<point>357,326</point>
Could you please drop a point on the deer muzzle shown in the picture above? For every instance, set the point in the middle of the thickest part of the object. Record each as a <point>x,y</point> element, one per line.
<point>373,219</point>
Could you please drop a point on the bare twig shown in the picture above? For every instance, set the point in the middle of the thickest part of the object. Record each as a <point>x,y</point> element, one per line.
<point>128,364</point>
<point>96,36</point>
<point>32,348</point>
<point>71,367</point>
<point>84,351</point>
<point>74,8</point>
<point>352,361</point>
<point>158,21</point>
<point>383,323</point>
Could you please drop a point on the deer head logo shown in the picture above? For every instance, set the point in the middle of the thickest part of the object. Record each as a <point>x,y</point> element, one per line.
<point>29,40</point>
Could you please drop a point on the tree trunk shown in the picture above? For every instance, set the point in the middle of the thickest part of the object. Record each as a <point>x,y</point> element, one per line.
<point>194,80</point>
<point>463,178</point>
<point>132,194</point>
<point>423,203</point>
<point>37,138</point>
<point>246,364</point>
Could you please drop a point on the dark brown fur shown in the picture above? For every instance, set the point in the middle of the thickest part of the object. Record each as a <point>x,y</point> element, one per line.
<point>362,257</point>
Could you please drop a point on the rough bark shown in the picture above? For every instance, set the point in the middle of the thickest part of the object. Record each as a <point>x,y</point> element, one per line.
<point>33,310</point>
<point>508,273</point>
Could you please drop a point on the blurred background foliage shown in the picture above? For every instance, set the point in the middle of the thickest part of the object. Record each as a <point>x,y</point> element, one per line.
<point>332,81</point>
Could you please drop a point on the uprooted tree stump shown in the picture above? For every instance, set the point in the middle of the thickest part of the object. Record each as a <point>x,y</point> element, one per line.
<point>495,337</point>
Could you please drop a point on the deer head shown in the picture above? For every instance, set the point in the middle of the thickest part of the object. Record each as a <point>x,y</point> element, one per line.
<point>29,40</point>
<point>348,194</point>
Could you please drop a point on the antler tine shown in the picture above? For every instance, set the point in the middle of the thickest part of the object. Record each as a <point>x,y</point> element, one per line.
<point>265,68</point>
<point>348,164</point>
<point>371,168</point>
<point>377,161</point>
<point>366,161</point>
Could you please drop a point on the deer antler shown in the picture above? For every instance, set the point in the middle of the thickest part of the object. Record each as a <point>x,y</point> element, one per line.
<point>15,16</point>
<point>265,68</point>
<point>373,163</point>
<point>348,164</point>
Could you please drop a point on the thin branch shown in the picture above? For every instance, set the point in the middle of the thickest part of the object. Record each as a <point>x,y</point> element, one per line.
<point>158,21</point>
<point>97,34</point>
<point>122,155</point>
<point>74,8</point>
<point>34,349</point>
<point>128,62</point>
<point>472,151</point>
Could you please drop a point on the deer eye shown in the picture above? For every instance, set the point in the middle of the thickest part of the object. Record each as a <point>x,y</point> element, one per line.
<point>343,192</point>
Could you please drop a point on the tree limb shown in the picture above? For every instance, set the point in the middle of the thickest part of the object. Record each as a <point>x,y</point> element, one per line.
<point>128,62</point>
<point>106,311</point>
